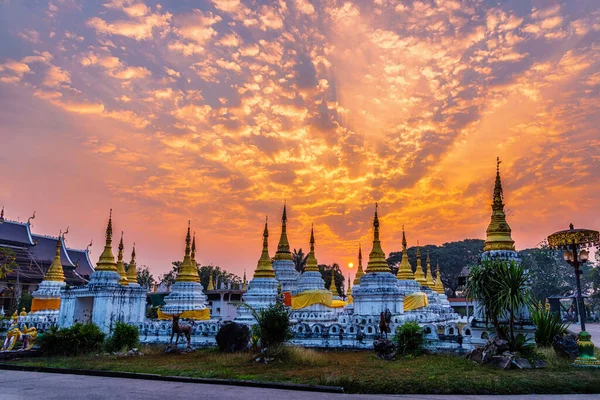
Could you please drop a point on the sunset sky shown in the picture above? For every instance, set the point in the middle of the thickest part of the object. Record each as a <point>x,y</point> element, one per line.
<point>216,111</point>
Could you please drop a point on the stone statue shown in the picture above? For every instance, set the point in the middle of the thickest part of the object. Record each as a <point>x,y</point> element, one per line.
<point>181,329</point>
<point>384,322</point>
<point>27,336</point>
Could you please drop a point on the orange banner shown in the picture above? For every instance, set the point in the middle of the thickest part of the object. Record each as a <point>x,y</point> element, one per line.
<point>45,304</point>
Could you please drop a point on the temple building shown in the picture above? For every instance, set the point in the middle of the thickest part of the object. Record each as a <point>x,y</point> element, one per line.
<point>283,264</point>
<point>34,254</point>
<point>103,300</point>
<point>263,288</point>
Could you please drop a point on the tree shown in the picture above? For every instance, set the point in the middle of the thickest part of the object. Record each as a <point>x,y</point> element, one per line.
<point>339,278</point>
<point>145,277</point>
<point>299,259</point>
<point>169,278</point>
<point>219,275</point>
<point>7,262</point>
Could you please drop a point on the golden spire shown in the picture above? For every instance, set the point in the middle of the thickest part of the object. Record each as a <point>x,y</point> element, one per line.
<point>107,259</point>
<point>132,269</point>
<point>498,231</point>
<point>439,285</point>
<point>429,273</point>
<point>349,290</point>
<point>283,248</point>
<point>377,262</point>
<point>187,272</point>
<point>211,285</point>
<point>264,268</point>
<point>419,275</point>
<point>55,273</point>
<point>405,269</point>
<point>244,284</point>
<point>359,270</point>
<point>120,267</point>
<point>311,260</point>
<point>332,287</point>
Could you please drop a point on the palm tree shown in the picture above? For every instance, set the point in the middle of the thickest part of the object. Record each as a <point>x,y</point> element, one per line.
<point>299,259</point>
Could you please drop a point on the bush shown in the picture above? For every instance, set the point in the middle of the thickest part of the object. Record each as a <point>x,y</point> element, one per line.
<point>409,337</point>
<point>273,325</point>
<point>24,303</point>
<point>125,337</point>
<point>78,339</point>
<point>548,325</point>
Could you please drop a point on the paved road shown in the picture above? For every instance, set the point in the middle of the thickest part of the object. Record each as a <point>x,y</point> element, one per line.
<point>592,329</point>
<point>18,385</point>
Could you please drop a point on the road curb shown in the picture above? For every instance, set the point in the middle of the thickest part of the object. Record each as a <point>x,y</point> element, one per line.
<point>181,379</point>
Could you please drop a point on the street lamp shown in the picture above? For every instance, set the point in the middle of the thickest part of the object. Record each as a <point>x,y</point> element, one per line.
<point>575,243</point>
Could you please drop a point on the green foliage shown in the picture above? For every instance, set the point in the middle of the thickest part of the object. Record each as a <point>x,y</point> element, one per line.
<point>78,339</point>
<point>7,261</point>
<point>522,344</point>
<point>273,325</point>
<point>145,277</point>
<point>452,257</point>
<point>408,339</point>
<point>24,302</point>
<point>548,325</point>
<point>502,288</point>
<point>152,312</point>
<point>339,278</point>
<point>299,259</point>
<point>219,275</point>
<point>124,337</point>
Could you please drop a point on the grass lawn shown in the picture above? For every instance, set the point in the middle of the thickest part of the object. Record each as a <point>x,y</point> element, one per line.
<point>357,372</point>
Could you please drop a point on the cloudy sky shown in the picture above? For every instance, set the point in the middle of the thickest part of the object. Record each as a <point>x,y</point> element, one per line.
<point>217,111</point>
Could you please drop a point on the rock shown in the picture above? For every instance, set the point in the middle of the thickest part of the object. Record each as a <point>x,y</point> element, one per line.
<point>385,349</point>
<point>476,355</point>
<point>233,337</point>
<point>500,362</point>
<point>539,363</point>
<point>521,363</point>
<point>566,347</point>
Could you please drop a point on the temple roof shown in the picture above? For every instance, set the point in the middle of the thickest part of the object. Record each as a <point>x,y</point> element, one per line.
<point>44,249</point>
<point>81,260</point>
<point>15,233</point>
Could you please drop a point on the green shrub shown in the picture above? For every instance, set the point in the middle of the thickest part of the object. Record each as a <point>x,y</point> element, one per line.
<point>409,337</point>
<point>24,303</point>
<point>78,339</point>
<point>273,325</point>
<point>124,337</point>
<point>548,325</point>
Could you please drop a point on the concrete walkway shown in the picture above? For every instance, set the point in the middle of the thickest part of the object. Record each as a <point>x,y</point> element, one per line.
<point>592,329</point>
<point>19,385</point>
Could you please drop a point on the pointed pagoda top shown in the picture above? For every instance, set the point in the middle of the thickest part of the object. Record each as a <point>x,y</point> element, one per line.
<point>244,284</point>
<point>349,290</point>
<point>498,233</point>
<point>264,268</point>
<point>210,285</point>
<point>193,254</point>
<point>359,269</point>
<point>419,275</point>
<point>439,285</point>
<point>55,273</point>
<point>311,260</point>
<point>107,259</point>
<point>405,271</point>
<point>2,215</point>
<point>120,265</point>
<point>377,262</point>
<point>429,272</point>
<point>283,248</point>
<point>187,271</point>
<point>132,269</point>
<point>332,287</point>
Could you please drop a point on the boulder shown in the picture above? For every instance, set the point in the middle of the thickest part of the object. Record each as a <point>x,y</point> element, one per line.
<point>500,362</point>
<point>385,349</point>
<point>566,347</point>
<point>476,355</point>
<point>233,337</point>
<point>521,363</point>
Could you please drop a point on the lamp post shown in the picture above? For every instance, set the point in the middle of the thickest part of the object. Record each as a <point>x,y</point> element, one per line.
<point>575,243</point>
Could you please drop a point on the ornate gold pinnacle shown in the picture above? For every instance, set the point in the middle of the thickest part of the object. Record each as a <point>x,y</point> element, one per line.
<point>405,269</point>
<point>120,265</point>
<point>132,269</point>
<point>283,248</point>
<point>332,287</point>
<point>187,271</point>
<point>107,259</point>
<point>498,231</point>
<point>359,269</point>
<point>377,262</point>
<point>419,275</point>
<point>429,273</point>
<point>55,273</point>
<point>264,268</point>
<point>439,285</point>
<point>311,260</point>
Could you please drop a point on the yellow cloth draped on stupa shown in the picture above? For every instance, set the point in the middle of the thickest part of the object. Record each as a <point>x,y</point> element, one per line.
<point>120,264</point>
<point>310,297</point>
<point>198,315</point>
<point>359,270</point>
<point>498,233</point>
<point>377,261</point>
<point>405,271</point>
<point>415,301</point>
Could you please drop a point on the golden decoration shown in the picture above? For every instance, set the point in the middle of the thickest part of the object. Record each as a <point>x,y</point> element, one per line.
<point>107,259</point>
<point>55,273</point>
<point>187,272</point>
<point>405,271</point>
<point>311,260</point>
<point>359,269</point>
<point>264,268</point>
<point>120,265</point>
<point>332,287</point>
<point>283,248</point>
<point>419,275</point>
<point>498,231</point>
<point>439,285</point>
<point>429,273</point>
<point>132,269</point>
<point>377,262</point>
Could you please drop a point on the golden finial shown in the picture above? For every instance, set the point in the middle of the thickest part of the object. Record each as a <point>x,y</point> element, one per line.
<point>429,273</point>
<point>132,269</point>
<point>187,272</point>
<point>283,248</point>
<point>332,287</point>
<point>264,268</point>
<point>439,285</point>
<point>349,290</point>
<point>193,256</point>
<point>211,285</point>
<point>498,232</point>
<point>419,275</point>
<point>359,270</point>
<point>377,262</point>
<point>120,265</point>
<point>2,215</point>
<point>311,260</point>
<point>244,284</point>
<point>405,269</point>
<point>55,273</point>
<point>107,259</point>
